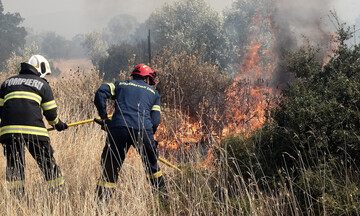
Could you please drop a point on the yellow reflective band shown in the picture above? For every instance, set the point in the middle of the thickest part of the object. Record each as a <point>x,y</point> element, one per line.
<point>112,88</point>
<point>156,175</point>
<point>156,108</point>
<point>23,129</point>
<point>15,184</point>
<point>56,182</point>
<point>55,121</point>
<point>23,94</point>
<point>140,86</point>
<point>37,63</point>
<point>106,184</point>
<point>48,105</point>
<point>2,102</point>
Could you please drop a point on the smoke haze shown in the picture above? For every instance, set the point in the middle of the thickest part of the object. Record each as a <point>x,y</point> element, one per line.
<point>298,18</point>
<point>68,17</point>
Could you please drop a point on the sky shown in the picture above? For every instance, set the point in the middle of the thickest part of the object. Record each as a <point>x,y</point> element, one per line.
<point>71,17</point>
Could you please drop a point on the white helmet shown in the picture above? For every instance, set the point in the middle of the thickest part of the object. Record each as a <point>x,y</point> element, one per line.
<point>41,65</point>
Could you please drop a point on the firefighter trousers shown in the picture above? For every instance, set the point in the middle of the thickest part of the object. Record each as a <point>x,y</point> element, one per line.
<point>118,142</point>
<point>41,151</point>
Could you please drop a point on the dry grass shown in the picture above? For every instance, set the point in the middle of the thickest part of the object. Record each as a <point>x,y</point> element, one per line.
<point>68,66</point>
<point>201,189</point>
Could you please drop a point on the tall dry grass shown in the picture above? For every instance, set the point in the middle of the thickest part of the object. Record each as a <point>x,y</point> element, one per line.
<point>202,188</point>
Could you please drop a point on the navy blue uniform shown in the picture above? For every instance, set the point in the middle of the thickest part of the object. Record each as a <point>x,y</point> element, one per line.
<point>137,104</point>
<point>136,118</point>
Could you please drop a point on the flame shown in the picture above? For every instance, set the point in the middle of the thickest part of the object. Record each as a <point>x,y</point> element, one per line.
<point>246,104</point>
<point>186,132</point>
<point>250,63</point>
<point>248,98</point>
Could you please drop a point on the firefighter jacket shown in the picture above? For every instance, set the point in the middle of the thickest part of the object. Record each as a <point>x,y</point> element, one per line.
<point>24,99</point>
<point>137,104</point>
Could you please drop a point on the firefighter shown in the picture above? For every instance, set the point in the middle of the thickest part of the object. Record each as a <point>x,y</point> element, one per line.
<point>135,120</point>
<point>24,99</point>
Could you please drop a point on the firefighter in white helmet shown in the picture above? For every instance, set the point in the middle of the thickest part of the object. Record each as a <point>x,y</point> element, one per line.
<point>24,99</point>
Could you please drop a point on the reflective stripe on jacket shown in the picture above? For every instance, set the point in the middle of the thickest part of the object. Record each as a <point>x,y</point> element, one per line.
<point>24,99</point>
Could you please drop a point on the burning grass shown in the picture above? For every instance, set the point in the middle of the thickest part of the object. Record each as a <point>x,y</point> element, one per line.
<point>219,176</point>
<point>200,189</point>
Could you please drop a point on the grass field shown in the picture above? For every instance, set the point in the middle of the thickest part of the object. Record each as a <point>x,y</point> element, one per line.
<point>202,188</point>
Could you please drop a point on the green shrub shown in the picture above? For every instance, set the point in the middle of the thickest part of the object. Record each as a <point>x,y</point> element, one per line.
<point>326,189</point>
<point>318,115</point>
<point>311,142</point>
<point>239,155</point>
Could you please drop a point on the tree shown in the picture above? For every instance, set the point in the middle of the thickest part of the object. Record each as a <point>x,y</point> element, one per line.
<point>12,37</point>
<point>315,128</point>
<point>96,48</point>
<point>55,46</point>
<point>319,113</point>
<point>118,59</point>
<point>189,26</point>
<point>120,29</point>
<point>238,20</point>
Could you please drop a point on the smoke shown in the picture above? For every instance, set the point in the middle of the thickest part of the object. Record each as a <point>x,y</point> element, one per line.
<point>298,22</point>
<point>99,13</point>
<point>102,11</point>
<point>308,18</point>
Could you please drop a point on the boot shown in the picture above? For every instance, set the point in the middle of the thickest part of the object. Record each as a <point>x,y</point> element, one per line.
<point>103,195</point>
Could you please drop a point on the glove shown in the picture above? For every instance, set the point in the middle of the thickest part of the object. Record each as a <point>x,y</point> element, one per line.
<point>103,122</point>
<point>60,126</point>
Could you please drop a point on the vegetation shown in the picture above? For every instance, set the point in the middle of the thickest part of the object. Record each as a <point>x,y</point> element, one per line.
<point>191,27</point>
<point>304,160</point>
<point>120,29</point>
<point>55,46</point>
<point>118,59</point>
<point>312,136</point>
<point>12,36</point>
<point>187,82</point>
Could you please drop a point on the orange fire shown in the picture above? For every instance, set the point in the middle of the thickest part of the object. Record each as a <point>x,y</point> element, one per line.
<point>246,104</point>
<point>180,133</point>
<point>247,100</point>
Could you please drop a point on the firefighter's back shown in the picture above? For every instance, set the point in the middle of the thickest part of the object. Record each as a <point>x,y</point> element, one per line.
<point>134,101</point>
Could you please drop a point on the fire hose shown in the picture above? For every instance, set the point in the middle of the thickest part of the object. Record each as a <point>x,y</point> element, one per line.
<point>109,116</point>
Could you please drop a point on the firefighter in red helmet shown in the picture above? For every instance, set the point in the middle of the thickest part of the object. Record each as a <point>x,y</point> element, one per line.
<point>135,120</point>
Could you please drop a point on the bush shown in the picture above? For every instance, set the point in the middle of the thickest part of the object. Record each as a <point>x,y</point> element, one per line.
<point>318,114</point>
<point>329,189</point>
<point>239,154</point>
<point>189,83</point>
<point>118,59</point>
<point>311,141</point>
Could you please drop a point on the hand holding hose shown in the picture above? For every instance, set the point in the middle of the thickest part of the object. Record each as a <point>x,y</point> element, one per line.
<point>60,126</point>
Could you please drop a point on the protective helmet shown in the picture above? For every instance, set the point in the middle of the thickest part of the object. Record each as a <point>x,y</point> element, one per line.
<point>40,64</point>
<point>145,71</point>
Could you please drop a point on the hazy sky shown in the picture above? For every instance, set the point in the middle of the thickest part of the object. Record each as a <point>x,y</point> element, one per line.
<point>70,17</point>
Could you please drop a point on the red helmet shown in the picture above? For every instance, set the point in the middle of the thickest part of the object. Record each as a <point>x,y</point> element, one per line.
<point>144,71</point>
